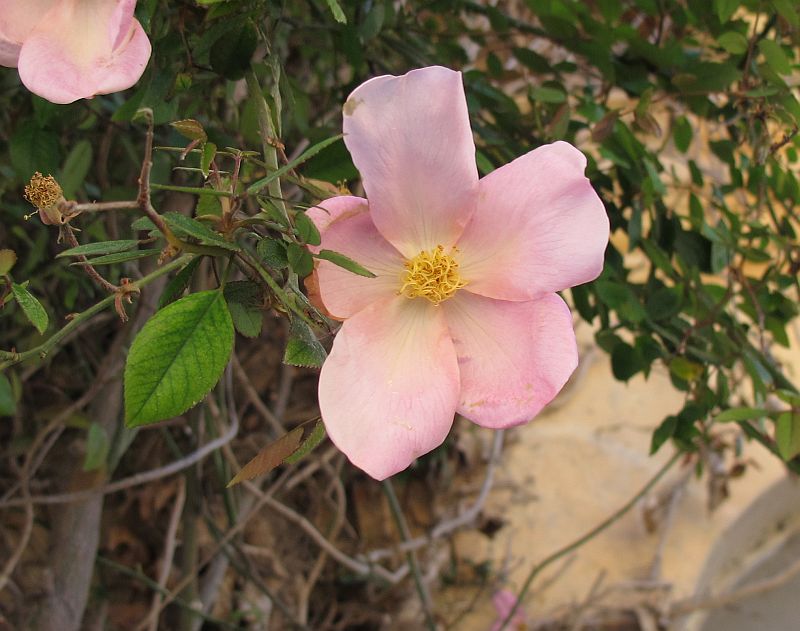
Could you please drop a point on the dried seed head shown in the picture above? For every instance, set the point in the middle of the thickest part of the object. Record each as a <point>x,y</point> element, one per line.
<point>46,194</point>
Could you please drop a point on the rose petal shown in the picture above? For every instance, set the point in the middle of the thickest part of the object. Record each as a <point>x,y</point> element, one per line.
<point>70,54</point>
<point>346,227</point>
<point>17,20</point>
<point>411,141</point>
<point>513,357</point>
<point>539,227</point>
<point>389,388</point>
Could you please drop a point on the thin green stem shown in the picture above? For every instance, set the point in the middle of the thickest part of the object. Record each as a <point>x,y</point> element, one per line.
<point>614,517</point>
<point>194,190</point>
<point>268,138</point>
<point>9,359</point>
<point>411,557</point>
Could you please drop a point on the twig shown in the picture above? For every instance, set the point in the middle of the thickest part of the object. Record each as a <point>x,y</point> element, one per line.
<point>91,272</point>
<point>447,526</point>
<point>614,517</point>
<point>253,397</point>
<point>683,607</point>
<point>411,557</point>
<point>41,351</point>
<point>135,480</point>
<point>15,557</point>
<point>169,553</point>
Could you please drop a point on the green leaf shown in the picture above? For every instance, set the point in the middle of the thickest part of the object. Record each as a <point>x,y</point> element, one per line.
<point>625,361</point>
<point>345,262</point>
<point>184,226</point>
<point>735,43</point>
<point>119,257</point>
<point>102,247</point>
<point>543,94</point>
<point>7,260</point>
<point>34,149</point>
<point>306,229</point>
<point>177,358</point>
<point>338,14</point>
<point>32,308</point>
<point>178,284</point>
<point>311,441</point>
<point>143,223</point>
<point>303,347</point>
<point>76,168</point>
<point>8,404</point>
<point>787,434</point>
<point>300,259</point>
<point>308,153</point>
<point>231,54</point>
<point>207,157</point>
<point>725,9</point>
<point>740,414</point>
<point>682,134</point>
<point>685,369</point>
<point>788,11</point>
<point>775,56</point>
<point>273,253</point>
<point>190,128</point>
<point>97,448</point>
<point>663,433</point>
<point>246,304</point>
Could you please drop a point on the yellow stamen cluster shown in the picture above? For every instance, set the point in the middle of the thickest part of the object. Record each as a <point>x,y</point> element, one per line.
<point>433,275</point>
<point>43,191</point>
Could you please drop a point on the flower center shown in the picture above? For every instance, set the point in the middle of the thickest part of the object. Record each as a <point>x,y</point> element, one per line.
<point>43,191</point>
<point>433,275</point>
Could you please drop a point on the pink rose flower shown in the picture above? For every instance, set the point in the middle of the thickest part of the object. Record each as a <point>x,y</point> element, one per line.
<point>67,50</point>
<point>462,315</point>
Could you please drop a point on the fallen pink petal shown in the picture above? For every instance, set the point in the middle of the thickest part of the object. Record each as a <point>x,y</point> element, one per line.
<point>66,50</point>
<point>504,601</point>
<point>463,315</point>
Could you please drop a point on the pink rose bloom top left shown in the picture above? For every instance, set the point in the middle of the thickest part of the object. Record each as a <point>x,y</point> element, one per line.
<point>67,50</point>
<point>462,316</point>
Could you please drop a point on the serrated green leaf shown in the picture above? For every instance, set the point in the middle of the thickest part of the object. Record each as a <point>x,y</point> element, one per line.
<point>338,14</point>
<point>311,441</point>
<point>300,259</point>
<point>725,9</point>
<point>740,414</point>
<point>119,257</point>
<point>178,284</point>
<point>8,404</point>
<point>306,229</point>
<point>303,347</point>
<point>32,308</point>
<point>273,253</point>
<point>102,247</point>
<point>345,262</point>
<point>208,205</point>
<point>143,223</point>
<point>231,54</point>
<point>7,260</point>
<point>177,357</point>
<point>685,369</point>
<point>190,128</point>
<point>246,305</point>
<point>97,447</point>
<point>788,11</point>
<point>76,167</point>
<point>184,226</point>
<point>207,157</point>
<point>787,434</point>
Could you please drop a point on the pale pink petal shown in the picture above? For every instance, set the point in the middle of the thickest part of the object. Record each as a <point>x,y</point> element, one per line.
<point>344,293</point>
<point>17,19</point>
<point>504,601</point>
<point>513,357</point>
<point>71,55</point>
<point>539,227</point>
<point>411,141</point>
<point>332,209</point>
<point>389,388</point>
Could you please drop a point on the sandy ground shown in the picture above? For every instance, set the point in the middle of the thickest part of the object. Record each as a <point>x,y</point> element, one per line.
<point>572,467</point>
